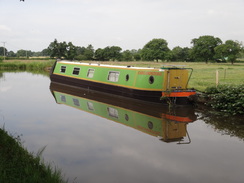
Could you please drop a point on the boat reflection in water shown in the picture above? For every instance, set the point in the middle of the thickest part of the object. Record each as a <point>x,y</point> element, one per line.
<point>170,125</point>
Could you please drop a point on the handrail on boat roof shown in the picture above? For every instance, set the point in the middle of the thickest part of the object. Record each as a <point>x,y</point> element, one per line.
<point>173,67</point>
<point>107,65</point>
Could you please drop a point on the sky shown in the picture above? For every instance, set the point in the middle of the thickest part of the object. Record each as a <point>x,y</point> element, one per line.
<point>129,24</point>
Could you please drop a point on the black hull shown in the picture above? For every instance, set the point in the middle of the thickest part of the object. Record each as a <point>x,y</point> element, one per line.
<point>150,96</point>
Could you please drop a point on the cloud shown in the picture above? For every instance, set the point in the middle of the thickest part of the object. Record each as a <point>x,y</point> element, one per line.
<point>128,24</point>
<point>5,28</point>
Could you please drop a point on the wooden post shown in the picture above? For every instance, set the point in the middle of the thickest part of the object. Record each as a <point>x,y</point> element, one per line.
<point>217,78</point>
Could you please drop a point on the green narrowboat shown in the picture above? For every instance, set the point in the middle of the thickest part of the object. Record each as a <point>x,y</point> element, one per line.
<point>150,118</point>
<point>149,84</point>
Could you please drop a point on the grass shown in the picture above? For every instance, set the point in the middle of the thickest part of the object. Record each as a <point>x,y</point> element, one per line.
<point>19,166</point>
<point>204,75</point>
<point>30,65</point>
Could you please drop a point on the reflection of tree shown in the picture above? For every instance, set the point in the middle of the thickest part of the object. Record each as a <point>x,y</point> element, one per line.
<point>232,126</point>
<point>1,74</point>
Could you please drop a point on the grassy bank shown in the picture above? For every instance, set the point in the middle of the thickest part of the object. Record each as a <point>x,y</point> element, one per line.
<point>19,166</point>
<point>29,65</point>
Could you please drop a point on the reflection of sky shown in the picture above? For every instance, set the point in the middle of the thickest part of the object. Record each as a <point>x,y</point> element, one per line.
<point>94,149</point>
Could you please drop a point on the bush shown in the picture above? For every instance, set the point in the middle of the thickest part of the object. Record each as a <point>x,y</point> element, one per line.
<point>229,99</point>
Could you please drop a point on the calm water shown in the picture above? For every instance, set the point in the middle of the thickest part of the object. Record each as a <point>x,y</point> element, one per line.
<point>99,138</point>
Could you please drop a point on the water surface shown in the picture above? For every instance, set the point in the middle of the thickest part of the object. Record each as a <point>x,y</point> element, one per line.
<point>94,137</point>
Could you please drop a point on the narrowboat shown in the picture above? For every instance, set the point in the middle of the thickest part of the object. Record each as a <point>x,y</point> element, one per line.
<point>167,84</point>
<point>147,117</point>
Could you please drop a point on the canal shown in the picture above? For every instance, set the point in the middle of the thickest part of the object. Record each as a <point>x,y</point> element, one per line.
<point>95,137</point>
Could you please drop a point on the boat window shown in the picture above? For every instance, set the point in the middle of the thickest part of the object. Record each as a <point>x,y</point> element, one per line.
<point>151,79</point>
<point>90,73</point>
<point>76,71</point>
<point>76,102</point>
<point>63,69</point>
<point>90,106</point>
<point>113,76</point>
<point>113,112</point>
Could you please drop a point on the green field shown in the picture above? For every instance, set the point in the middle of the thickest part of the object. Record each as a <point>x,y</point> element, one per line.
<point>205,75</point>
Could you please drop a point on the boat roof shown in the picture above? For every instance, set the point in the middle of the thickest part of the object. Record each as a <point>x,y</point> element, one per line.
<point>105,65</point>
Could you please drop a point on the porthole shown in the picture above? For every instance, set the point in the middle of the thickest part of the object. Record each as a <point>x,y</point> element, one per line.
<point>126,117</point>
<point>151,79</point>
<point>150,125</point>
<point>127,77</point>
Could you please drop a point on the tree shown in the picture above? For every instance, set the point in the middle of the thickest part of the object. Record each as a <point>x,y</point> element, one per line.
<point>70,52</point>
<point>127,55</point>
<point>45,52</point>
<point>108,53</point>
<point>62,50</point>
<point>89,52</point>
<point>57,49</point>
<point>221,52</point>
<point>3,51</point>
<point>180,54</point>
<point>203,47</point>
<point>99,54</point>
<point>136,54</point>
<point>80,53</point>
<point>23,53</point>
<point>189,54</point>
<point>80,50</point>
<point>177,54</point>
<point>113,53</point>
<point>228,51</point>
<point>11,54</point>
<point>242,52</point>
<point>156,49</point>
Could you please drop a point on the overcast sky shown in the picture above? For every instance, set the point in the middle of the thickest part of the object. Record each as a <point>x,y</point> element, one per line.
<point>130,24</point>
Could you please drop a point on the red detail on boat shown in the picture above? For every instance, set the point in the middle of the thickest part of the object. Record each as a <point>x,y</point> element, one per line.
<point>178,93</point>
<point>177,118</point>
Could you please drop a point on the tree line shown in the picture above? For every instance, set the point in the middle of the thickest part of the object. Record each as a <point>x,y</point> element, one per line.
<point>205,48</point>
